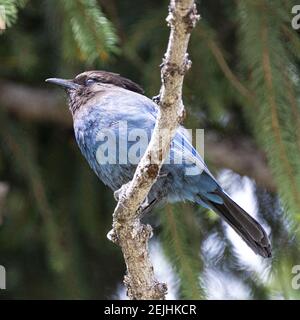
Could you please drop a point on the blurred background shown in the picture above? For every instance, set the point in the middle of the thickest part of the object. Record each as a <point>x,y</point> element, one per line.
<point>243,89</point>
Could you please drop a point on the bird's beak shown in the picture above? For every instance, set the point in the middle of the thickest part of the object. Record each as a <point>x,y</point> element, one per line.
<point>68,84</point>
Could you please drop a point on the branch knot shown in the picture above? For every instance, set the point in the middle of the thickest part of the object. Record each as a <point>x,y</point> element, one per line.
<point>191,19</point>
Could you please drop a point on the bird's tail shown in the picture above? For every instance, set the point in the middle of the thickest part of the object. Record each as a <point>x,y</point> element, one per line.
<point>247,227</point>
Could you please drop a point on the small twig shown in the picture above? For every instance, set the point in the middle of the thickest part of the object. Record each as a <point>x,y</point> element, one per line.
<point>128,232</point>
<point>216,51</point>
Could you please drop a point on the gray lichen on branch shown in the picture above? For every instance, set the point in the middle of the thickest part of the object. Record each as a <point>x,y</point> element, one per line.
<point>128,232</point>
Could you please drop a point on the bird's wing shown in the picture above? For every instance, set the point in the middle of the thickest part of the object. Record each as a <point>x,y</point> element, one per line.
<point>182,147</point>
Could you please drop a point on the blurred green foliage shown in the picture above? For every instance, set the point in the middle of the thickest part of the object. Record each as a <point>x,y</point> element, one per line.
<point>244,81</point>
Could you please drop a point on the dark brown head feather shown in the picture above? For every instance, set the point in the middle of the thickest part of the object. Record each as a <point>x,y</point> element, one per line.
<point>108,77</point>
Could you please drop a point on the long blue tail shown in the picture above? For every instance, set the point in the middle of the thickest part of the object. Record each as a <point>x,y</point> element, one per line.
<point>247,227</point>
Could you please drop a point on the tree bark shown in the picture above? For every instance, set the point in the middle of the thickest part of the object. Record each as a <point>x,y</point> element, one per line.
<point>34,104</point>
<point>128,232</point>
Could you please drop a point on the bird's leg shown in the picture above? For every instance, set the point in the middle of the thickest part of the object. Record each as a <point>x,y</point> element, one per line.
<point>118,194</point>
<point>146,206</point>
<point>156,99</point>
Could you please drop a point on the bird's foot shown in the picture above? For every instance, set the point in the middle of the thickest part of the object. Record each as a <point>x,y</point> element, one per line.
<point>146,206</point>
<point>118,194</point>
<point>156,99</point>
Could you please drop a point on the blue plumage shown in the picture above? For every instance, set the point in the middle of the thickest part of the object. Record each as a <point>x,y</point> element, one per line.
<point>119,106</point>
<point>106,109</point>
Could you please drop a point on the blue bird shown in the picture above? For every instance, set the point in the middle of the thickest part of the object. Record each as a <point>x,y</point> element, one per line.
<point>106,109</point>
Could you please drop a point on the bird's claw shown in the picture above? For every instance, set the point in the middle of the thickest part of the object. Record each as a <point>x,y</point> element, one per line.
<point>118,194</point>
<point>143,206</point>
<point>156,99</point>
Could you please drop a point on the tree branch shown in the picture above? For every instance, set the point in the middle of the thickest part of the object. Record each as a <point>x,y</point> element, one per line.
<point>128,232</point>
<point>34,104</point>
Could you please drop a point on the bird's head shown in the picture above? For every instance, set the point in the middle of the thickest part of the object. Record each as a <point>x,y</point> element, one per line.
<point>85,85</point>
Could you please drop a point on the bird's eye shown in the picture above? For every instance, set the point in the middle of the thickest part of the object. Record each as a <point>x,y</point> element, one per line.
<point>88,82</point>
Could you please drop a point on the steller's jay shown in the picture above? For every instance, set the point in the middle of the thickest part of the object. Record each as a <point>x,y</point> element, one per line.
<point>99,102</point>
